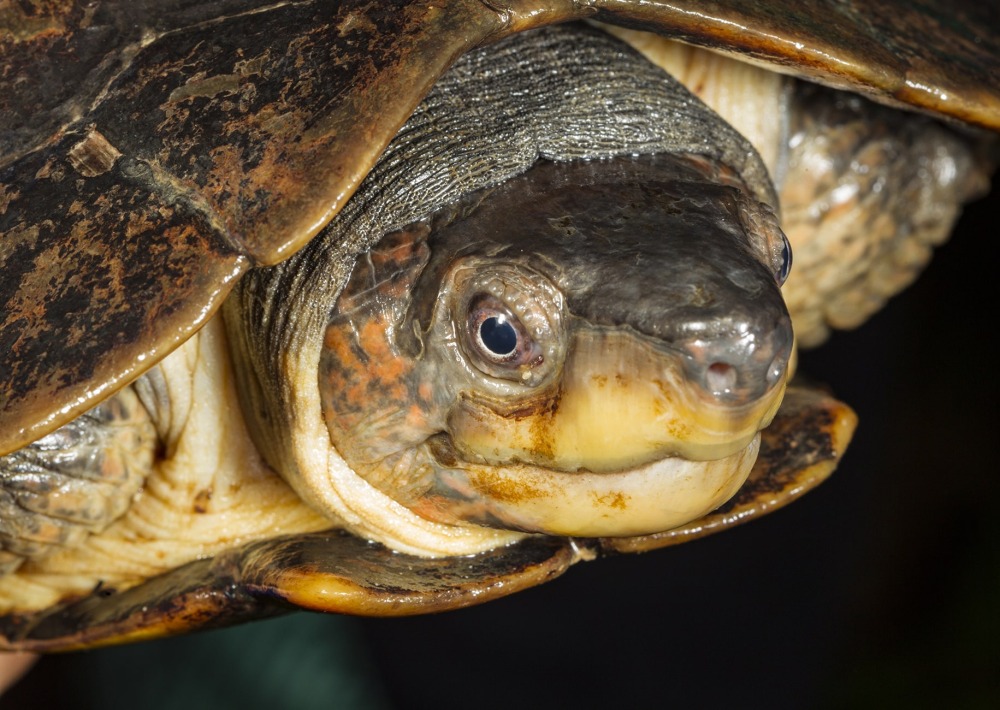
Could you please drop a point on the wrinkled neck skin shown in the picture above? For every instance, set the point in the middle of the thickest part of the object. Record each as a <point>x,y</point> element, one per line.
<point>565,94</point>
<point>588,349</point>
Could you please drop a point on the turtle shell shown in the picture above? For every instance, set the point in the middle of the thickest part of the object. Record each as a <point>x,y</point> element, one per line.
<point>126,219</point>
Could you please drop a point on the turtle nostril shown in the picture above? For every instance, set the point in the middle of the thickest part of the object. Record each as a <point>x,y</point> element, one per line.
<point>720,378</point>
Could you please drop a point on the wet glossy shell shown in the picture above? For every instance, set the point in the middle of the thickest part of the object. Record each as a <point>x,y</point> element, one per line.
<point>202,164</point>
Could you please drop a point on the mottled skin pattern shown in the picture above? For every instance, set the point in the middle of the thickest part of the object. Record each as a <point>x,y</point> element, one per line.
<point>362,373</point>
<point>879,193</point>
<point>75,481</point>
<point>598,265</point>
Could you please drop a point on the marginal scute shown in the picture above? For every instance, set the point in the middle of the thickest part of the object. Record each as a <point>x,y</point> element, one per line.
<point>256,189</point>
<point>100,277</point>
<point>939,55</point>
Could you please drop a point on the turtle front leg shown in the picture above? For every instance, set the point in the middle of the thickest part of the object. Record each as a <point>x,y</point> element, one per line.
<point>75,481</point>
<point>201,488</point>
<point>867,194</point>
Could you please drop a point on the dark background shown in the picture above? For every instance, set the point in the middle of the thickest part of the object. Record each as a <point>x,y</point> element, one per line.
<point>879,589</point>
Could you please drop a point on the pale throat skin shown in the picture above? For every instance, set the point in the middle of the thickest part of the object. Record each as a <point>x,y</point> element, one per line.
<point>618,406</point>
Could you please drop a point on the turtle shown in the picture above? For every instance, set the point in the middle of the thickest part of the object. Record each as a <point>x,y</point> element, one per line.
<point>472,226</point>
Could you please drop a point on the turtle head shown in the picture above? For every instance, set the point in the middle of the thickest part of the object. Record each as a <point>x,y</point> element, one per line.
<point>589,349</point>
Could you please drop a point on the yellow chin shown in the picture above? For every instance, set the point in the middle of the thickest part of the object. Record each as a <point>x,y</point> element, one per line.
<point>622,443</point>
<point>651,498</point>
<point>621,403</point>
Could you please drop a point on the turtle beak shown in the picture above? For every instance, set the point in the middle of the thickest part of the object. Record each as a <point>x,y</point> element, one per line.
<point>650,347</point>
<point>624,402</point>
<point>678,342</point>
<point>675,351</point>
<point>638,438</point>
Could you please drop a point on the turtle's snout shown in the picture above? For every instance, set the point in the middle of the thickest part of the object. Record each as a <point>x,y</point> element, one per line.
<point>740,366</point>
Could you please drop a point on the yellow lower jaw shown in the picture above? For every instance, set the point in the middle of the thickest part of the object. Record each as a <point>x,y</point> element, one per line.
<point>652,498</point>
<point>621,404</point>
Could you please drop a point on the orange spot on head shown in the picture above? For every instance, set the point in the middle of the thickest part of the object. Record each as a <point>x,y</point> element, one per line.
<point>416,416</point>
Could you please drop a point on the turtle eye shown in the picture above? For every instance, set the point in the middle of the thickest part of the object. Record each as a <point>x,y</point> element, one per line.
<point>498,337</point>
<point>786,260</point>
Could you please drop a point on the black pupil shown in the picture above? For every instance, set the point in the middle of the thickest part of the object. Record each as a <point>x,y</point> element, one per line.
<point>498,335</point>
<point>786,261</point>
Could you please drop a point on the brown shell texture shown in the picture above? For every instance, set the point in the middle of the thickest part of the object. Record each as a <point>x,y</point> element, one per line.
<point>120,234</point>
<point>153,151</point>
